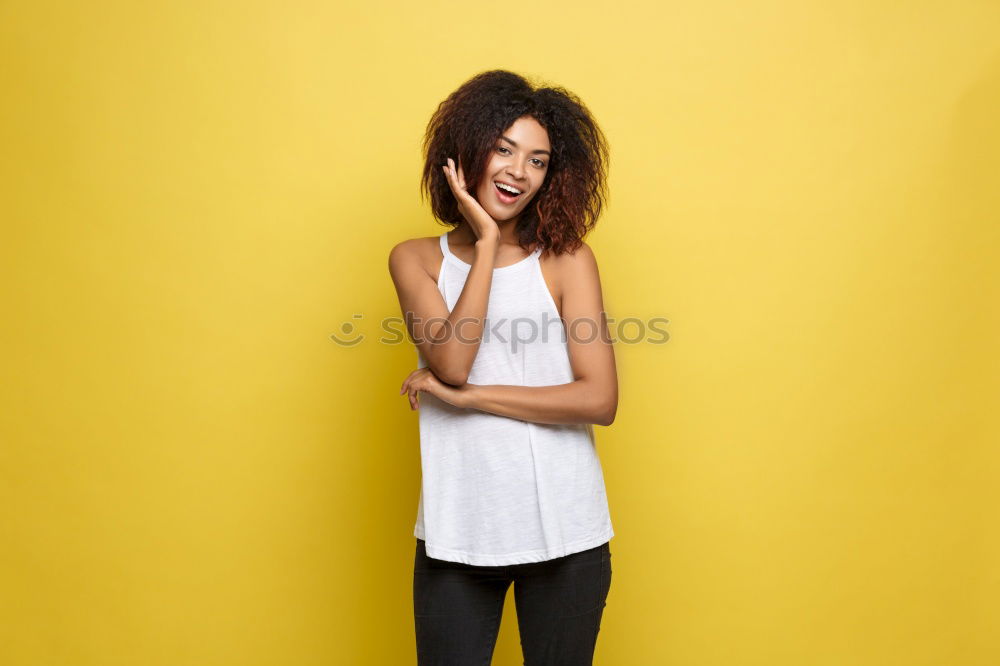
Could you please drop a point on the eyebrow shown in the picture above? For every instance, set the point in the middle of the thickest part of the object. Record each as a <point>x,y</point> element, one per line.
<point>534,152</point>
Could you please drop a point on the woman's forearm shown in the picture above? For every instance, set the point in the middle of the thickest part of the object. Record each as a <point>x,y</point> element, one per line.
<point>579,401</point>
<point>456,342</point>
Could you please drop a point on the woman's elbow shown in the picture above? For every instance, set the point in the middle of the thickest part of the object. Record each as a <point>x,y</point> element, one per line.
<point>606,414</point>
<point>447,370</point>
<point>452,376</point>
<point>456,379</point>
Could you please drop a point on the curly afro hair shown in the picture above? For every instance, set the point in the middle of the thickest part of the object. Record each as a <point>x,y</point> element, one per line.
<point>468,124</point>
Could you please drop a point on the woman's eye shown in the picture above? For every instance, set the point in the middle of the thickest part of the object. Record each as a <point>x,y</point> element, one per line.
<point>538,162</point>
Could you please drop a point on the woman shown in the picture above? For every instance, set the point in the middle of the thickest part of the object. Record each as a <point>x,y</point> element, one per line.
<point>515,365</point>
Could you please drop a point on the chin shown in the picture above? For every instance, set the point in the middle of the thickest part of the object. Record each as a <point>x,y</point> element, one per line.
<point>508,215</point>
<point>498,214</point>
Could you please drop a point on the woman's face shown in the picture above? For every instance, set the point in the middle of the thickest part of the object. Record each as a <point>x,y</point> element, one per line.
<point>520,159</point>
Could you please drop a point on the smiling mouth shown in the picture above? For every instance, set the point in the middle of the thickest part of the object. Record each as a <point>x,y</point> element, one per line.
<point>504,195</point>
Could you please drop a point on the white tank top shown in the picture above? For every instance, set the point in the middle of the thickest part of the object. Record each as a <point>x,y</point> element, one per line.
<point>497,490</point>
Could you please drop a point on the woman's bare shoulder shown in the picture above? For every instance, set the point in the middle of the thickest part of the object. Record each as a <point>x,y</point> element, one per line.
<point>422,251</point>
<point>582,258</point>
<point>561,271</point>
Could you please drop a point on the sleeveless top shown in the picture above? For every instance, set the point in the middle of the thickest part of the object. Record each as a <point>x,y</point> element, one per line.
<point>497,490</point>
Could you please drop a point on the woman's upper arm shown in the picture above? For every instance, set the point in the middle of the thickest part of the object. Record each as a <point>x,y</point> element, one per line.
<point>419,296</point>
<point>591,353</point>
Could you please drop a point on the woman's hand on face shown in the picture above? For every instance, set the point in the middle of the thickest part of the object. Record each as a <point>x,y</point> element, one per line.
<point>483,225</point>
<point>422,379</point>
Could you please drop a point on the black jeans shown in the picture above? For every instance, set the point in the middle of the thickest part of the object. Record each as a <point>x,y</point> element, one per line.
<point>559,603</point>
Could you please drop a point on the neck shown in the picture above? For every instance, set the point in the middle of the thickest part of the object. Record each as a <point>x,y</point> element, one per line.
<point>464,233</point>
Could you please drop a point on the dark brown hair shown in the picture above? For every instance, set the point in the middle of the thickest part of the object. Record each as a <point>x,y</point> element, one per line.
<point>467,125</point>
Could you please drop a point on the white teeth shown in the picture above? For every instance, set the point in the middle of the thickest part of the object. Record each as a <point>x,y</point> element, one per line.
<point>504,186</point>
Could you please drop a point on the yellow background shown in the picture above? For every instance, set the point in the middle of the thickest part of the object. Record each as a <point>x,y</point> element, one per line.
<point>196,195</point>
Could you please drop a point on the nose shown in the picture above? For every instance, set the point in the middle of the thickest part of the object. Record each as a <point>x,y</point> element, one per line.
<point>516,170</point>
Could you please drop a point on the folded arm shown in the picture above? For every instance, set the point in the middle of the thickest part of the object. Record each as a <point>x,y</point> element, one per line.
<point>579,401</point>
